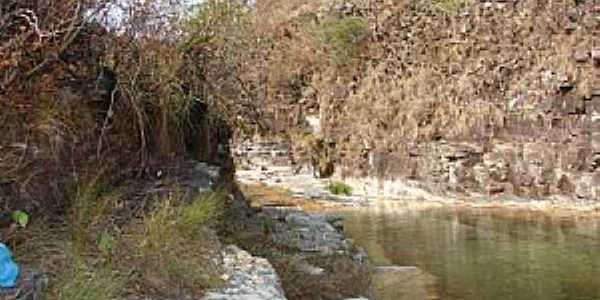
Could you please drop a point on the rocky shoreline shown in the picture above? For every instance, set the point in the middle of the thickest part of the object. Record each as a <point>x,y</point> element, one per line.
<point>306,236</point>
<point>255,251</point>
<point>269,163</point>
<point>273,248</point>
<point>268,237</point>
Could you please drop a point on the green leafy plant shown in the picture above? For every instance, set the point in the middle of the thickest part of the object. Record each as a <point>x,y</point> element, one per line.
<point>107,244</point>
<point>21,218</point>
<point>339,188</point>
<point>345,37</point>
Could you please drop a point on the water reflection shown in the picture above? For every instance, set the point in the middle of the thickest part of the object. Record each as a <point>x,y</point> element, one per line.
<point>487,254</point>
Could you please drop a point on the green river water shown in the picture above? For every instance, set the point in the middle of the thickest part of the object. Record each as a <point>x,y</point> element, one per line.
<point>482,254</point>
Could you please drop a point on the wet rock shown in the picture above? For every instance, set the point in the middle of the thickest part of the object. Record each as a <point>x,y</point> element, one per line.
<point>306,232</point>
<point>278,212</point>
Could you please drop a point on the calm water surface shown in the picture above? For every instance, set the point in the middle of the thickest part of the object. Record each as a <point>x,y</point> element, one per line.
<point>483,254</point>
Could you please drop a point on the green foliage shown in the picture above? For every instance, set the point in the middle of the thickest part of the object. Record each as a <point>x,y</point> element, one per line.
<point>210,19</point>
<point>345,37</point>
<point>20,218</point>
<point>107,244</point>
<point>451,6</point>
<point>339,188</point>
<point>171,221</point>
<point>89,208</point>
<point>88,271</point>
<point>202,210</point>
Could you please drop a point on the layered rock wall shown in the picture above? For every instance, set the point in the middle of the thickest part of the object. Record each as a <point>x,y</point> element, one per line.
<point>485,97</point>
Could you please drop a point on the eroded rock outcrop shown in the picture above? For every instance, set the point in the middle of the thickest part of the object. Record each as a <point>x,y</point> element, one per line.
<point>247,278</point>
<point>489,97</point>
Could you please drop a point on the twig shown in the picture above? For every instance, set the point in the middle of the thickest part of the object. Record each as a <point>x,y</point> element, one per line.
<point>75,29</point>
<point>109,115</point>
<point>140,120</point>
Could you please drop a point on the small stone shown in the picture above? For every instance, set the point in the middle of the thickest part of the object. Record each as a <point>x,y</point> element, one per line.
<point>581,56</point>
<point>596,55</point>
<point>571,27</point>
<point>311,270</point>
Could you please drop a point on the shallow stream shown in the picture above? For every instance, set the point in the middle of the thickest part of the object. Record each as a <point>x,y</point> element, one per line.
<point>481,254</point>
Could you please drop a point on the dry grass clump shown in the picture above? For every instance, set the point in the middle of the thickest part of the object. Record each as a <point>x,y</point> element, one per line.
<point>262,196</point>
<point>79,253</point>
<point>168,252</point>
<point>172,247</point>
<point>84,281</point>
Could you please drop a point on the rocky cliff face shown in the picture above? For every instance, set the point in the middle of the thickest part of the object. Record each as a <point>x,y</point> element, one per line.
<point>488,97</point>
<point>499,98</point>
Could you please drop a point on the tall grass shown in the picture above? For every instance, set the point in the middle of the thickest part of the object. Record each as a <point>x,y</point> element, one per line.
<point>84,281</point>
<point>172,244</point>
<point>169,249</point>
<point>87,267</point>
<point>90,205</point>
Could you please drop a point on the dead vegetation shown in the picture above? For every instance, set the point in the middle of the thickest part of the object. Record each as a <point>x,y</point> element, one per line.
<point>82,95</point>
<point>482,73</point>
<point>88,102</point>
<point>264,196</point>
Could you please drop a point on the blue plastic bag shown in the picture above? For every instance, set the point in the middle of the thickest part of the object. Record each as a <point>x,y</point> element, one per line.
<point>9,271</point>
